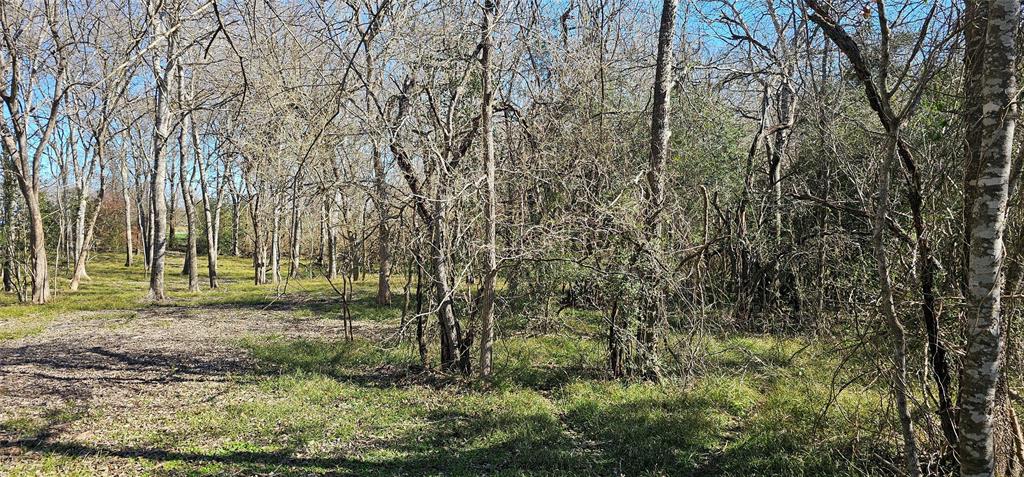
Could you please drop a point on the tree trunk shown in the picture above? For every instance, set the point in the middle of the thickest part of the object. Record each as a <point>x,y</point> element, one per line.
<point>275,241</point>
<point>212,216</point>
<point>7,267</point>
<point>294,269</point>
<point>37,241</point>
<point>332,241</point>
<point>161,132</point>
<point>451,336</point>
<point>234,226</point>
<point>975,21</point>
<point>490,202</point>
<point>81,213</point>
<point>322,239</point>
<point>129,255</point>
<point>144,219</point>
<point>190,267</point>
<point>786,117</point>
<point>654,312</point>
<point>910,453</point>
<point>259,250</point>
<point>383,231</point>
<point>986,339</point>
<point>90,227</point>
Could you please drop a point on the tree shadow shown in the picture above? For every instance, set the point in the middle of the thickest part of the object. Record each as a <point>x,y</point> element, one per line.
<point>470,440</point>
<point>72,370</point>
<point>320,306</point>
<point>453,443</point>
<point>358,362</point>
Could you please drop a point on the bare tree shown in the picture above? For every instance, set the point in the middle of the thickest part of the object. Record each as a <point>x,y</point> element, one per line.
<point>164,66</point>
<point>490,199</point>
<point>34,63</point>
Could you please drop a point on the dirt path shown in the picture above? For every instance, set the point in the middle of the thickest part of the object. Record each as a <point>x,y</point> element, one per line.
<point>165,357</point>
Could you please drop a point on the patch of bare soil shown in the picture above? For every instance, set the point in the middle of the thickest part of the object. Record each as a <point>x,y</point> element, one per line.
<point>160,358</point>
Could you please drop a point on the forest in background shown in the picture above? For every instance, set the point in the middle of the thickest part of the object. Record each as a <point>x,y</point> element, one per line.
<point>843,174</point>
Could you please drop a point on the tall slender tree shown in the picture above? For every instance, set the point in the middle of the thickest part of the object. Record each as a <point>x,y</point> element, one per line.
<point>986,336</point>
<point>490,194</point>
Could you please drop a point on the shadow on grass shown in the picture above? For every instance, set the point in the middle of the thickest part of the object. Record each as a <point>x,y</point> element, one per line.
<point>359,362</point>
<point>68,370</point>
<point>516,435</point>
<point>395,424</point>
<point>316,305</point>
<point>538,363</point>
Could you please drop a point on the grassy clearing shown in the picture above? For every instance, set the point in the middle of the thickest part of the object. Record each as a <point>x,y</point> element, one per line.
<point>119,289</point>
<point>327,406</point>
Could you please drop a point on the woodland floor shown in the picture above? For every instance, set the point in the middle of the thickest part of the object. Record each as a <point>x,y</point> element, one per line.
<point>248,381</point>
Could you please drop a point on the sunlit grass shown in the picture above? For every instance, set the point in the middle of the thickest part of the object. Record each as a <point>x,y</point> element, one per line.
<point>760,405</point>
<point>114,287</point>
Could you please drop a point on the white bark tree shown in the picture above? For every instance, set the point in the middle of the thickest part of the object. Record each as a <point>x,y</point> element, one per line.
<point>986,336</point>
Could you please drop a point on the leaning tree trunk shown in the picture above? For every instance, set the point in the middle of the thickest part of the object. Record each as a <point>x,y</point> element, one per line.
<point>910,452</point>
<point>983,362</point>
<point>90,227</point>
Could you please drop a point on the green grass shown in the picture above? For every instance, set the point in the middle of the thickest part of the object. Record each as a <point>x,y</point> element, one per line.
<point>356,408</point>
<point>328,406</point>
<point>114,287</point>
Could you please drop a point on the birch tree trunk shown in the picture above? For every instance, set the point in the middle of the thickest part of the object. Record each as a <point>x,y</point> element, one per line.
<point>975,23</point>
<point>983,361</point>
